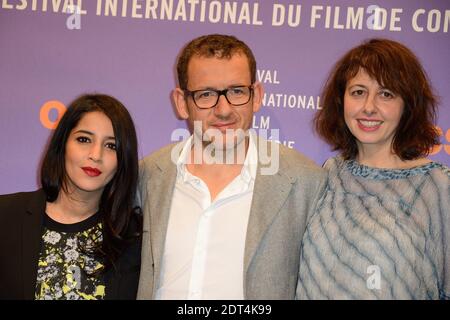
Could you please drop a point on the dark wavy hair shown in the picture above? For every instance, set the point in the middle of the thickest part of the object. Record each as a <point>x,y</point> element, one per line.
<point>120,218</point>
<point>213,45</point>
<point>395,67</point>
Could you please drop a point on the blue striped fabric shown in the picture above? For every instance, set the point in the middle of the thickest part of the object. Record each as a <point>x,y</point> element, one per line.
<point>379,234</point>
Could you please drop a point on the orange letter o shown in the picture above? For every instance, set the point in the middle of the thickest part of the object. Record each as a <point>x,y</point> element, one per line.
<point>447,146</point>
<point>45,111</point>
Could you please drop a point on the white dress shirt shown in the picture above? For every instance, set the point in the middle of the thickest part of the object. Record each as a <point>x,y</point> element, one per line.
<point>205,241</point>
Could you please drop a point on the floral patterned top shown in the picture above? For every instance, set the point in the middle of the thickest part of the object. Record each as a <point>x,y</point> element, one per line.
<point>65,266</point>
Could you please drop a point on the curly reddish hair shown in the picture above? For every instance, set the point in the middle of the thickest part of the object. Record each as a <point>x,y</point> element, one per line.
<point>396,68</point>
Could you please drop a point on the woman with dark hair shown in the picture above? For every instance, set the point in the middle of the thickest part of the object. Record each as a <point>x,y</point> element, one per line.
<point>79,236</point>
<point>382,229</point>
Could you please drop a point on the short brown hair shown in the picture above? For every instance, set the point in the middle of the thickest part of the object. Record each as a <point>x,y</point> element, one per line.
<point>213,45</point>
<point>395,67</point>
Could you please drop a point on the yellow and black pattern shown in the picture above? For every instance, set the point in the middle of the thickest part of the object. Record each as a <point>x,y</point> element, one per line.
<point>65,269</point>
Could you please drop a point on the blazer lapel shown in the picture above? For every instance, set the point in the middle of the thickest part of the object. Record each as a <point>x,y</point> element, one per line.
<point>31,242</point>
<point>269,195</point>
<point>161,190</point>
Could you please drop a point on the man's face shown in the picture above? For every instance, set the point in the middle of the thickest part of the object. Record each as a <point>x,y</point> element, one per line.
<point>219,74</point>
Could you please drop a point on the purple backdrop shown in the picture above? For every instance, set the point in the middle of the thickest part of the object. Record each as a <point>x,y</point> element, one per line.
<point>132,57</point>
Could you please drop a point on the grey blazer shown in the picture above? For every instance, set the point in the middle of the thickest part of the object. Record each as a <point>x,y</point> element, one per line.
<point>280,207</point>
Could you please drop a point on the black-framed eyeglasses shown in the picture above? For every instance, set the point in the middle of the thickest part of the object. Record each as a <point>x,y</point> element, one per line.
<point>208,98</point>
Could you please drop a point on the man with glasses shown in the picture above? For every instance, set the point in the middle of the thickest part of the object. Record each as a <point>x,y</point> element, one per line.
<point>216,226</point>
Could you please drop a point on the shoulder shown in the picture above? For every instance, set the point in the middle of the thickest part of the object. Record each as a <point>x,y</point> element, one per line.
<point>18,199</point>
<point>437,173</point>
<point>334,163</point>
<point>160,157</point>
<point>442,171</point>
<point>294,161</point>
<point>440,174</point>
<point>13,204</point>
<point>160,154</point>
<point>293,166</point>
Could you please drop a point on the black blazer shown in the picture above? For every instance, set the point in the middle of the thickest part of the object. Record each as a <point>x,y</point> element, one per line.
<point>21,227</point>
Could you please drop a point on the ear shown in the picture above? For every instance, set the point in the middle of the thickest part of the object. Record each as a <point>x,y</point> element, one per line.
<point>180,103</point>
<point>258,93</point>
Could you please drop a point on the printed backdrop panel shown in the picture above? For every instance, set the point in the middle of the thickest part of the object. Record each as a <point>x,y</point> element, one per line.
<point>53,51</point>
